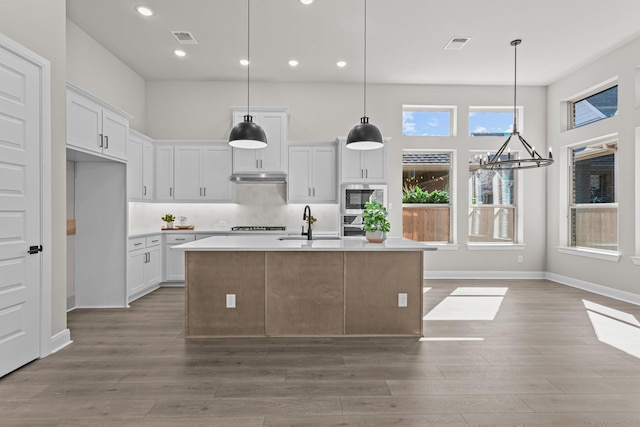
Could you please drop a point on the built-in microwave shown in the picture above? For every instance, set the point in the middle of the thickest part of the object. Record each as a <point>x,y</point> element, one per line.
<point>354,196</point>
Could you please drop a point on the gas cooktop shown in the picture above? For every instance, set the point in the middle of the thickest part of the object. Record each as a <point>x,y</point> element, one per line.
<point>259,228</point>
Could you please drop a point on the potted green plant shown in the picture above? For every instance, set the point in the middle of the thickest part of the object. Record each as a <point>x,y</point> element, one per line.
<point>375,221</point>
<point>168,218</point>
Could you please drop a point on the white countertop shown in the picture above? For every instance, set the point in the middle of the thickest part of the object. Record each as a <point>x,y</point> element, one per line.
<point>271,243</point>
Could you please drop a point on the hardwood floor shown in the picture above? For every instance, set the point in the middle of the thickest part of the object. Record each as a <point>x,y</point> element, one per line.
<point>537,363</point>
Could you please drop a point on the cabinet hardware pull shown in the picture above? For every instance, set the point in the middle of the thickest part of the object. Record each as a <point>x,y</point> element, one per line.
<point>144,190</point>
<point>257,167</point>
<point>200,191</point>
<point>153,241</point>
<point>137,244</point>
<point>179,239</point>
<point>260,163</point>
<point>106,141</point>
<point>366,173</point>
<point>101,143</point>
<point>314,191</point>
<point>170,191</point>
<point>361,173</point>
<point>204,191</point>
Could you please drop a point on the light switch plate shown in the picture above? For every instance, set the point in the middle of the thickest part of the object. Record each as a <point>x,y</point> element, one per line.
<point>402,300</point>
<point>231,300</point>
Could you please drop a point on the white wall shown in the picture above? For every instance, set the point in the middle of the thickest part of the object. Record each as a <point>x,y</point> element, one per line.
<point>40,26</point>
<point>200,110</point>
<point>621,63</point>
<point>96,70</point>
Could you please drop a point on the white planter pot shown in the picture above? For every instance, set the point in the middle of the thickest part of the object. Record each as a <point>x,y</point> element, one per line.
<point>169,224</point>
<point>376,236</point>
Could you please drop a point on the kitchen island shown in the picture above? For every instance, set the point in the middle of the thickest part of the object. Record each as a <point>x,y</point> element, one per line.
<point>270,286</point>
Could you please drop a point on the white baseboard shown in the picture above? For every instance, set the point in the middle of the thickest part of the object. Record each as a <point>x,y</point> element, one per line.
<point>60,340</point>
<point>143,292</point>
<point>484,275</point>
<point>595,288</point>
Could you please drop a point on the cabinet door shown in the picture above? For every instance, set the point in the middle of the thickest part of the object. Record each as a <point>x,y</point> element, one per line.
<point>245,160</point>
<point>147,170</point>
<point>299,180</point>
<point>115,130</point>
<point>352,170</point>
<point>134,168</point>
<point>374,165</point>
<point>270,157</point>
<point>164,173</point>
<point>173,264</point>
<point>153,266</point>
<point>135,271</point>
<point>216,170</point>
<point>324,174</point>
<point>186,173</point>
<point>84,123</point>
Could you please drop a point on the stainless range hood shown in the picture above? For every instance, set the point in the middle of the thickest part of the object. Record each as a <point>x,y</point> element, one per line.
<point>259,178</point>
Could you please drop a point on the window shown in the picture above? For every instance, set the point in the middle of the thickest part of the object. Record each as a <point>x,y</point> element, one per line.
<point>492,204</point>
<point>492,121</point>
<point>428,120</point>
<point>594,107</point>
<point>426,200</point>
<point>593,209</point>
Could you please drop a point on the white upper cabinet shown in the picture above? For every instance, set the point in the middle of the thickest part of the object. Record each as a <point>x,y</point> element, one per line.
<point>312,174</point>
<point>272,157</point>
<point>164,173</point>
<point>95,127</point>
<point>139,167</point>
<point>202,172</point>
<point>363,165</point>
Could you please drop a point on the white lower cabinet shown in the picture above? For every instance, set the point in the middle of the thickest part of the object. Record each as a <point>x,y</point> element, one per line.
<point>174,260</point>
<point>144,265</point>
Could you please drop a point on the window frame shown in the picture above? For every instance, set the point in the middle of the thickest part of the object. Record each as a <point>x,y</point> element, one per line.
<point>452,205</point>
<point>451,109</point>
<point>570,204</point>
<point>496,109</point>
<point>518,220</point>
<point>584,95</point>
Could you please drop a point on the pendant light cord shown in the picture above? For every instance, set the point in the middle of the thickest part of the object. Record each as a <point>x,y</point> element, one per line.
<point>515,79</point>
<point>365,59</point>
<point>248,52</point>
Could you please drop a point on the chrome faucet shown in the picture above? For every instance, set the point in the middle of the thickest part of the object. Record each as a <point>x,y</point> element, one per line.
<point>306,216</point>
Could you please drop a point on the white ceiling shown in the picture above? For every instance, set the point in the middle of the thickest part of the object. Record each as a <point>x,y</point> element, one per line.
<point>405,38</point>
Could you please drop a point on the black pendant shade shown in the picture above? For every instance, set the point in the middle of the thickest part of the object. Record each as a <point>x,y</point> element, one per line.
<point>247,134</point>
<point>364,136</point>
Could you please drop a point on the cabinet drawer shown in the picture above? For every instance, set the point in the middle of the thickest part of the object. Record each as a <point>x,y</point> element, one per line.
<point>136,243</point>
<point>180,238</point>
<point>154,240</point>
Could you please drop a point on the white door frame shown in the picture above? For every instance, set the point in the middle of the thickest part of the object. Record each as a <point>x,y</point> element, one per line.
<point>46,343</point>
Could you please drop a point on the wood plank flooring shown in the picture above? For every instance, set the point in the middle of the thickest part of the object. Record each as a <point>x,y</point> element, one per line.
<point>537,363</point>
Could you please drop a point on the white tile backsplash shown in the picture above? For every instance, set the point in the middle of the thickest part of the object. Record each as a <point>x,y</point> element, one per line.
<point>257,204</point>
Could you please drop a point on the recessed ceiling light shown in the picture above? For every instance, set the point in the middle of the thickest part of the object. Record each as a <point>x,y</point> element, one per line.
<point>144,11</point>
<point>341,64</point>
<point>293,63</point>
<point>180,53</point>
<point>306,2</point>
<point>244,62</point>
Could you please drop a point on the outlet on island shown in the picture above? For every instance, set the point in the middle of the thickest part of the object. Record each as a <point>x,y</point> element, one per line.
<point>402,300</point>
<point>231,300</point>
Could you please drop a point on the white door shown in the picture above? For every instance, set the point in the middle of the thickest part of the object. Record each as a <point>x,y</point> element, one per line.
<point>271,156</point>
<point>147,170</point>
<point>216,170</point>
<point>164,173</point>
<point>324,174</point>
<point>186,173</point>
<point>374,165</point>
<point>352,170</point>
<point>20,273</point>
<point>134,168</point>
<point>299,185</point>
<point>115,129</point>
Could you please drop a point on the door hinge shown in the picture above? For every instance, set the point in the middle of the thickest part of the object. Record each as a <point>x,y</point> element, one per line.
<point>35,249</point>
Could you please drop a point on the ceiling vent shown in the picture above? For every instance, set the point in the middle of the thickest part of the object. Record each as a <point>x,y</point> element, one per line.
<point>457,43</point>
<point>184,37</point>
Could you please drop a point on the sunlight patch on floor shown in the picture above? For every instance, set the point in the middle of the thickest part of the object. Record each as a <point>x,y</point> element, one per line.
<point>466,308</point>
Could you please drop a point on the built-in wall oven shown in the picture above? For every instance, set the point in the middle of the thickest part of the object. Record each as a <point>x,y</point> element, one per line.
<point>352,200</point>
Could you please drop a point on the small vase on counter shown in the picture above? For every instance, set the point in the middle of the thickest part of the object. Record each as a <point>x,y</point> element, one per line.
<point>169,225</point>
<point>377,236</point>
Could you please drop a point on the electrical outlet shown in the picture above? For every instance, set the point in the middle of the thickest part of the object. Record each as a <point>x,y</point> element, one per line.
<point>520,258</point>
<point>402,300</point>
<point>390,206</point>
<point>231,300</point>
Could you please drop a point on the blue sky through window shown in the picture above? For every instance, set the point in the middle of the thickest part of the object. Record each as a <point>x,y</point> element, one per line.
<point>426,123</point>
<point>490,123</point>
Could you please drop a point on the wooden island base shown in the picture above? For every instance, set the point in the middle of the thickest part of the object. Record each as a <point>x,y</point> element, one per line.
<point>293,293</point>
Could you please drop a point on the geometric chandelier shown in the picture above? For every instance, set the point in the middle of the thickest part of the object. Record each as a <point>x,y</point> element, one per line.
<point>533,158</point>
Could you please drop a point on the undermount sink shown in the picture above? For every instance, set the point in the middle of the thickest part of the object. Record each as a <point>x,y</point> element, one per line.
<point>305,238</point>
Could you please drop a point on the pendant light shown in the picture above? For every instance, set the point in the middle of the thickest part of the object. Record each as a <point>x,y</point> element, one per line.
<point>364,136</point>
<point>247,134</point>
<point>533,159</point>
